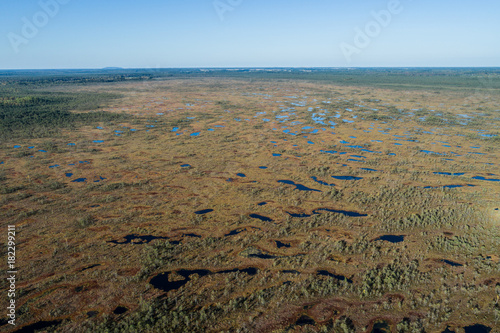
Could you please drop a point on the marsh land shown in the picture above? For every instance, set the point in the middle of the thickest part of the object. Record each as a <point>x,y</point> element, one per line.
<point>252,200</point>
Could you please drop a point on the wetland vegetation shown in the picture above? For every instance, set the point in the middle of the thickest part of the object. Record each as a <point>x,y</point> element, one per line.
<point>276,200</point>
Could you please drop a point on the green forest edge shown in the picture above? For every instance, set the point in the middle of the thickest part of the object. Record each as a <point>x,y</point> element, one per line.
<point>27,111</point>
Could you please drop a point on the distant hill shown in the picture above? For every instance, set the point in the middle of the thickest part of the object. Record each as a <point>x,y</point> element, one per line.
<point>113,68</point>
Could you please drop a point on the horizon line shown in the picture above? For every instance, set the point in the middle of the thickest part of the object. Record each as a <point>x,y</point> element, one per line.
<point>249,67</point>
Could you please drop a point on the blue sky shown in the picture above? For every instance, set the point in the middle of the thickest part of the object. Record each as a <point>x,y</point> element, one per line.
<point>248,33</point>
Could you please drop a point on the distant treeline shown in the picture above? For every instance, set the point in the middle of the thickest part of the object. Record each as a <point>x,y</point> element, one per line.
<point>396,78</point>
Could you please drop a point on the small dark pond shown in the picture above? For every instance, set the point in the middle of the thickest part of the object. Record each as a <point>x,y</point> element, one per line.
<point>338,277</point>
<point>381,326</point>
<point>345,212</point>
<point>240,175</point>
<point>280,244</point>
<point>477,328</point>
<point>347,177</point>
<point>450,186</point>
<point>204,211</point>
<point>299,187</point>
<point>450,173</point>
<point>141,239</point>
<point>451,263</point>
<point>260,217</point>
<point>191,235</point>
<point>305,320</point>
<point>120,310</point>
<point>239,230</point>
<point>92,314</point>
<point>38,326</point>
<point>160,281</point>
<point>391,238</point>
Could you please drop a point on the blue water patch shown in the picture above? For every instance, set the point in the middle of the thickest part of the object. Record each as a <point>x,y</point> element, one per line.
<point>276,155</point>
<point>451,263</point>
<point>219,126</point>
<point>69,144</point>
<point>175,129</point>
<point>17,146</point>
<point>99,127</point>
<point>355,146</point>
<point>53,166</point>
<point>262,167</point>
<point>98,141</point>
<point>358,156</point>
<point>354,160</point>
<point>321,182</point>
<point>211,129</point>
<point>344,142</point>
<point>98,180</point>
<point>203,211</point>
<point>391,154</point>
<point>185,166</point>
<point>31,147</point>
<point>344,212</point>
<point>69,174</point>
<point>262,203</point>
<point>347,177</point>
<point>431,152</point>
<point>328,151</point>
<point>450,173</point>
<point>79,180</point>
<point>450,186</point>
<point>310,142</point>
<point>367,169</point>
<point>195,134</point>
<point>487,179</point>
<point>352,137</point>
<point>84,162</point>
<point>391,238</point>
<point>398,144</point>
<point>240,175</point>
<point>260,217</point>
<point>298,186</point>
